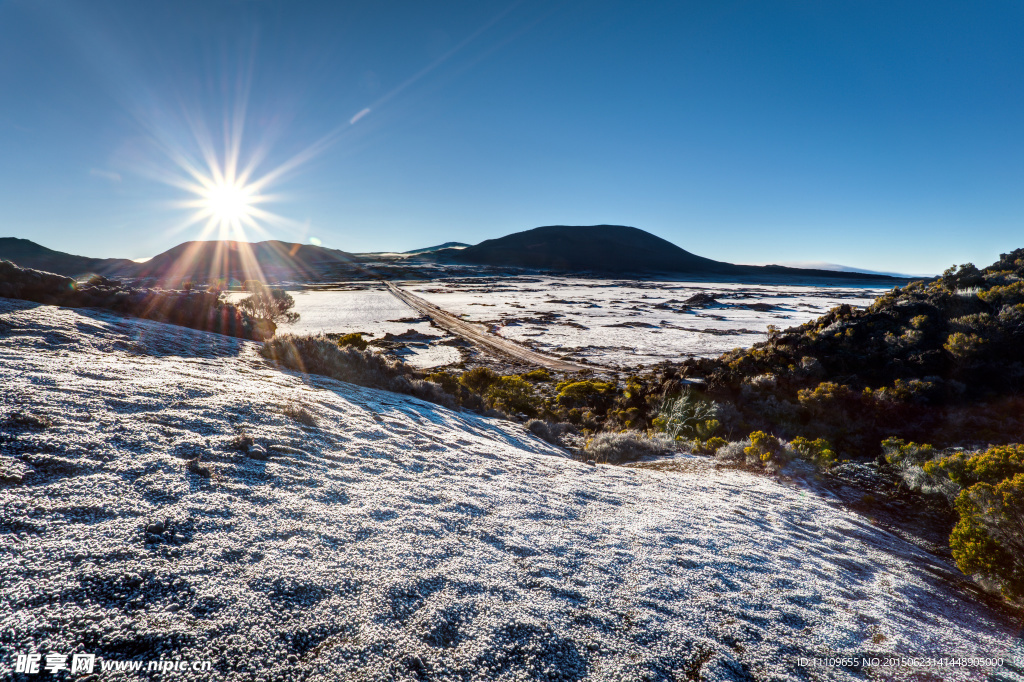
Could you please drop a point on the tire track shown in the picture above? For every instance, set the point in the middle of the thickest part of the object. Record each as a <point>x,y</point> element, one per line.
<point>482,339</point>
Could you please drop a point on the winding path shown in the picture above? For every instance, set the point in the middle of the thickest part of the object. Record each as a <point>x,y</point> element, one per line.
<point>480,338</point>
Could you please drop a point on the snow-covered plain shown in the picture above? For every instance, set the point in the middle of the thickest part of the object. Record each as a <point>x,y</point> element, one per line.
<point>631,322</point>
<point>370,309</point>
<point>401,540</point>
<point>622,323</point>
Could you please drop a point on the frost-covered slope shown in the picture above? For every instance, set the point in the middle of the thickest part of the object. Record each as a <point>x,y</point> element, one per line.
<point>400,540</point>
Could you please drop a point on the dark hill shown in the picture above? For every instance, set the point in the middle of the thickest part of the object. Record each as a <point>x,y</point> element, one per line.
<point>28,254</point>
<point>618,249</point>
<point>269,260</point>
<point>607,248</point>
<point>446,245</point>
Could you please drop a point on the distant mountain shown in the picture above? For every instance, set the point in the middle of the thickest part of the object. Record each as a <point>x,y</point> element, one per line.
<point>268,260</point>
<point>606,248</point>
<point>614,249</point>
<point>429,249</point>
<point>835,267</point>
<point>28,254</point>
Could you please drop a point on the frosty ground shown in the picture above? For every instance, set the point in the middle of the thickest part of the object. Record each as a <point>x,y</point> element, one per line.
<point>400,540</point>
<point>621,323</point>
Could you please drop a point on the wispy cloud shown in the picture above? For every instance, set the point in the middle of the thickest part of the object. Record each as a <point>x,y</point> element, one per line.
<point>106,175</point>
<point>358,116</point>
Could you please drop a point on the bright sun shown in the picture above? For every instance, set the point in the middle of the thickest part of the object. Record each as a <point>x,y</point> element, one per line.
<point>228,204</point>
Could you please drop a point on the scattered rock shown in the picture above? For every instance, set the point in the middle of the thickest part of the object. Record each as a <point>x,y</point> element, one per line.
<point>702,299</point>
<point>258,452</point>
<point>195,467</point>
<point>241,442</point>
<point>27,420</point>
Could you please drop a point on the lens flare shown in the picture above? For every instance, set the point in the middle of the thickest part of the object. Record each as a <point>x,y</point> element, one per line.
<point>228,203</point>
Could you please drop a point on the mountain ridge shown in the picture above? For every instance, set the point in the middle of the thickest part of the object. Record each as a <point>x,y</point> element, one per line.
<point>29,254</point>
<point>609,249</point>
<point>617,249</point>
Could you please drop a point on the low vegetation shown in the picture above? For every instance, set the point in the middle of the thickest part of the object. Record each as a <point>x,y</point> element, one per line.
<point>205,310</point>
<point>935,360</point>
<point>268,303</point>
<point>617,448</point>
<point>321,355</point>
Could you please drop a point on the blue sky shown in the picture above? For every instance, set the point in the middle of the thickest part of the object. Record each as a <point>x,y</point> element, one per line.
<point>884,135</point>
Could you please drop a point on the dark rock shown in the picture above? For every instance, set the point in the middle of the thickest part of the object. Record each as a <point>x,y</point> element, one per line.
<point>702,299</point>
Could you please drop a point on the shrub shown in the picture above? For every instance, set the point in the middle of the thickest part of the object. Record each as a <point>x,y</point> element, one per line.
<point>898,452</point>
<point>996,464</point>
<point>615,448</point>
<point>988,540</point>
<point>966,277</point>
<point>1012,314</point>
<point>269,303</point>
<point>962,346</point>
<point>320,355</point>
<point>513,394</point>
<point>580,393</point>
<point>1009,294</point>
<point>549,431</point>
<point>764,448</point>
<point>446,380</point>
<point>710,446</point>
<point>818,451</point>
<point>540,374</point>
<point>687,416</point>
<point>355,339</point>
<point>902,391</point>
<point>733,452</point>
<point>825,395</point>
<point>478,379</point>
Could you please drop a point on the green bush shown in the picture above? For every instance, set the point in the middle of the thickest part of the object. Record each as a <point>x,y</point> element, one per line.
<point>580,393</point>
<point>963,346</point>
<point>991,466</point>
<point>709,446</point>
<point>899,452</point>
<point>540,374</point>
<point>1010,294</point>
<point>448,381</point>
<point>513,394</point>
<point>478,379</point>
<point>988,539</point>
<point>818,451</point>
<point>765,448</point>
<point>825,395</point>
<point>354,339</point>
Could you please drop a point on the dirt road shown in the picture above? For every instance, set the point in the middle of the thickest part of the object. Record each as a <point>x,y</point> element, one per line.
<point>478,336</point>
